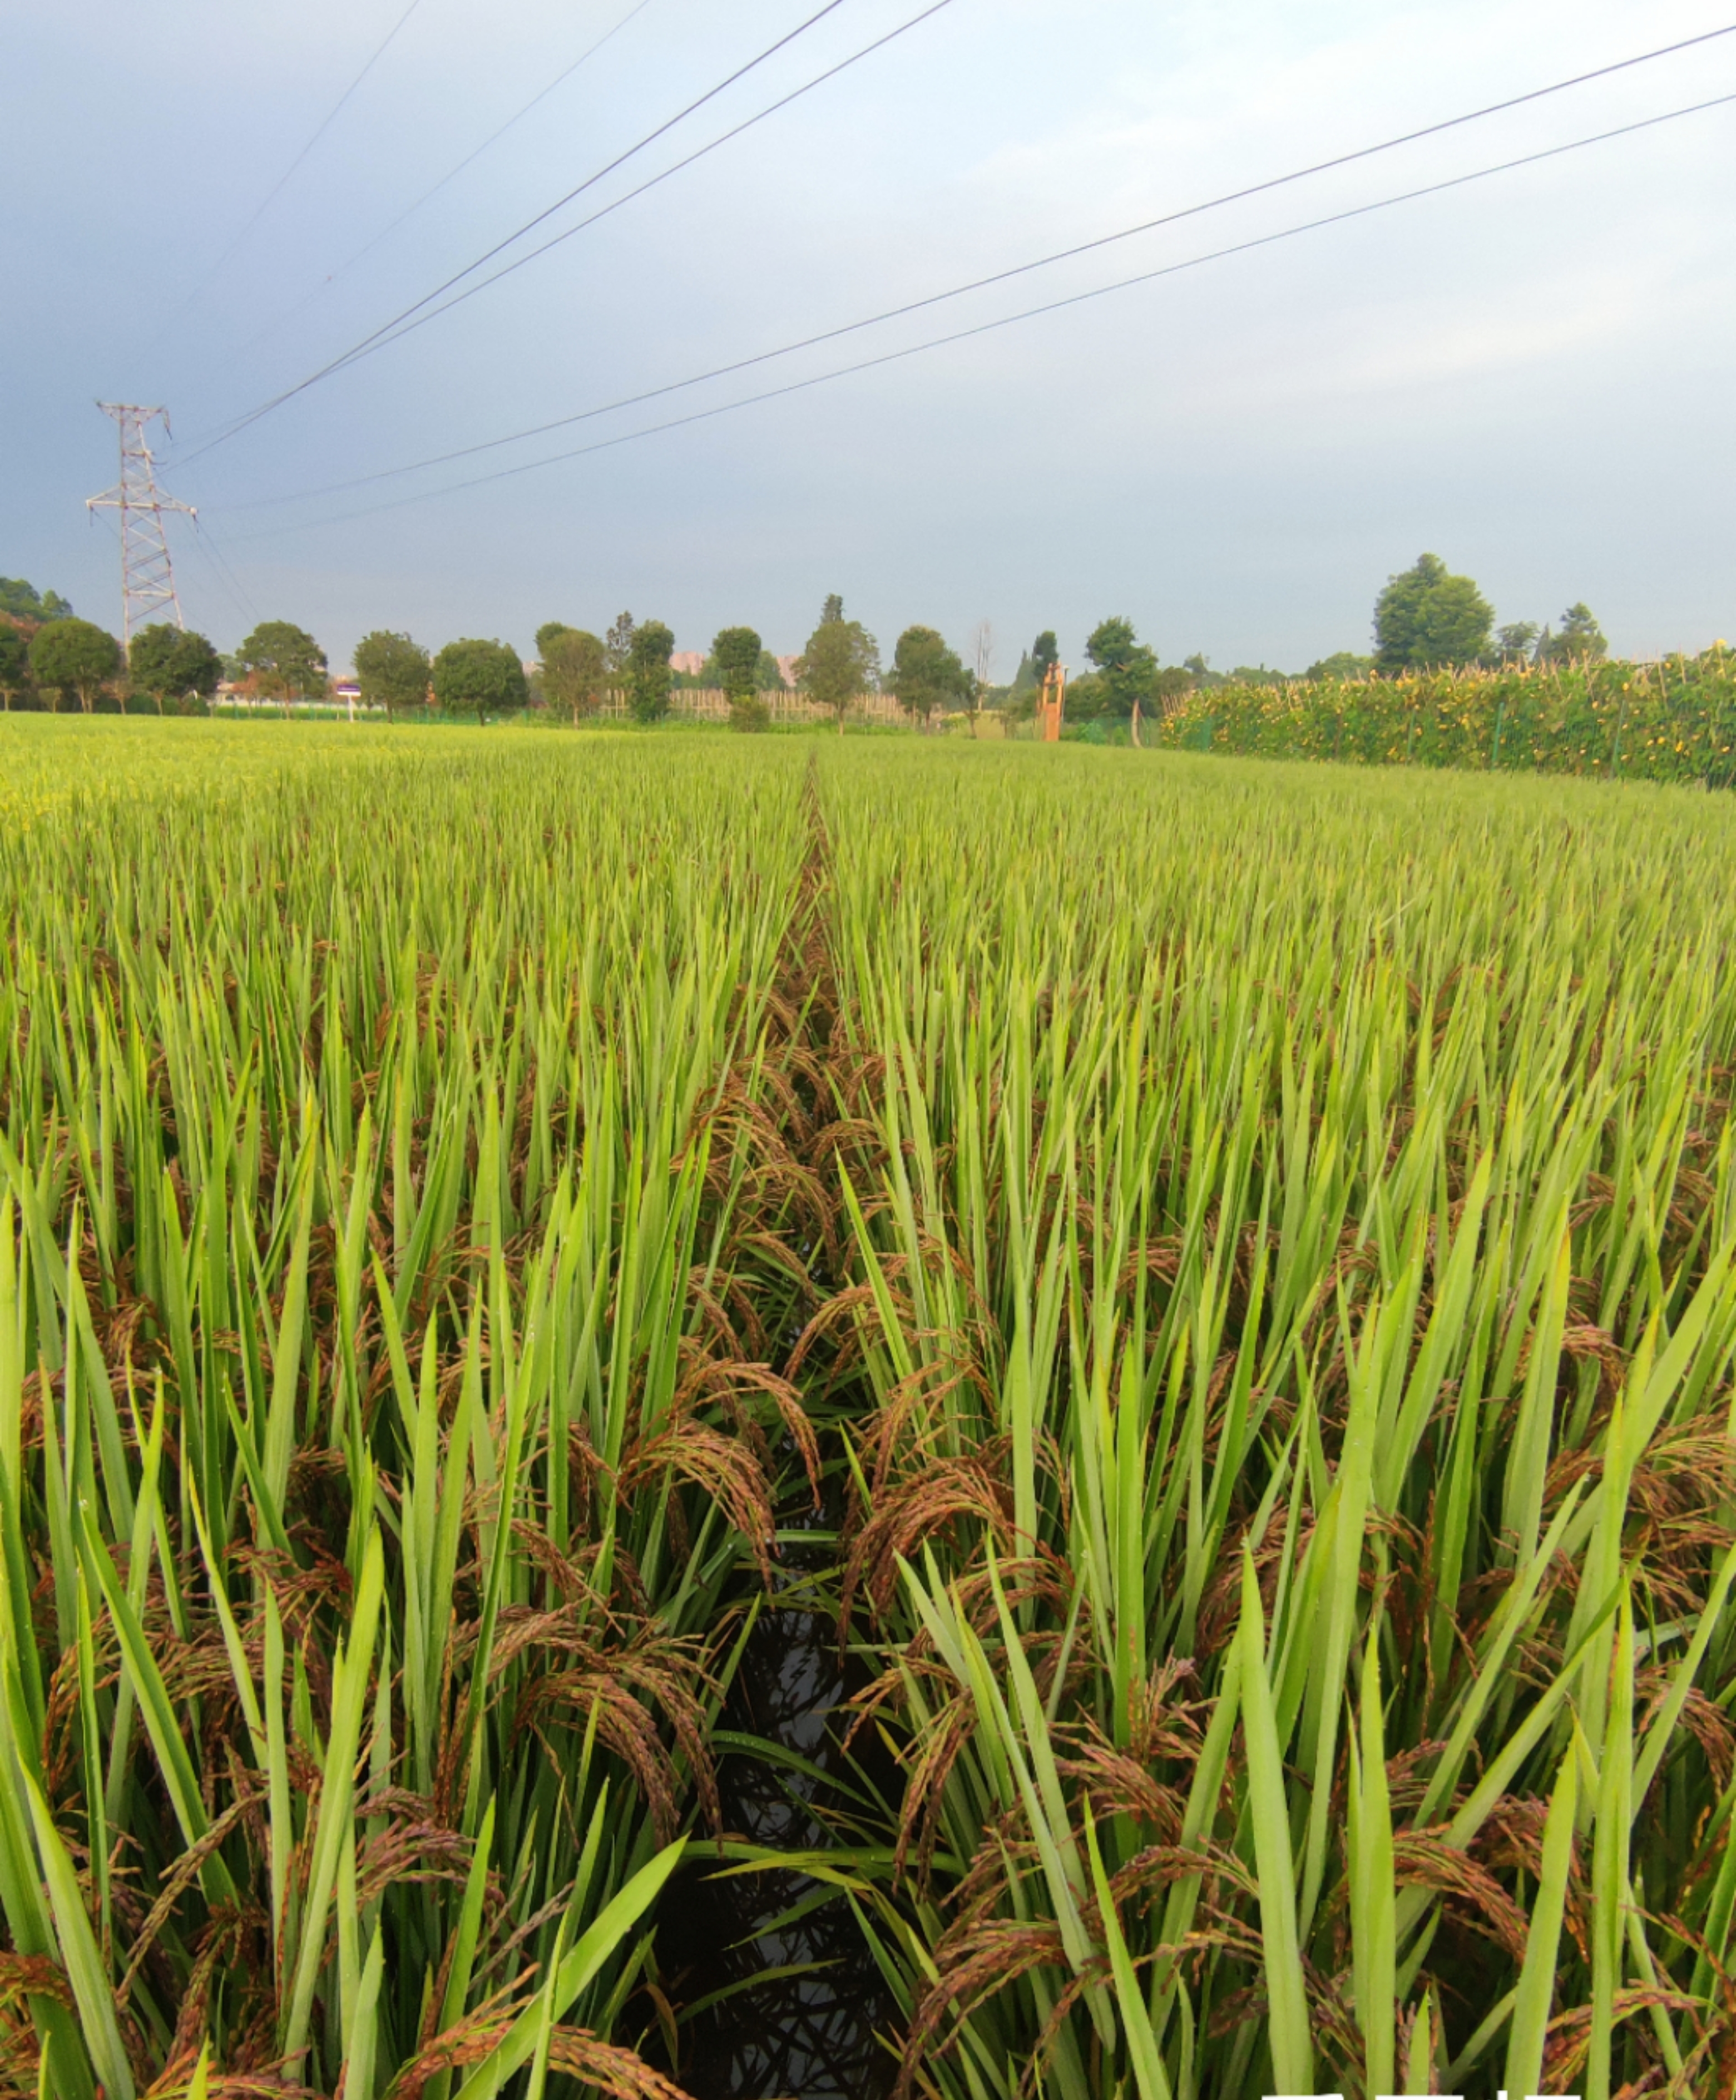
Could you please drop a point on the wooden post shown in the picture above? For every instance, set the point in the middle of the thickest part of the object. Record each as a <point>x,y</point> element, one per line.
<point>1054,694</point>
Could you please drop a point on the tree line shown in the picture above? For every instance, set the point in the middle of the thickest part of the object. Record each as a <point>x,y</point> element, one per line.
<point>841,659</point>
<point>49,658</point>
<point>67,662</point>
<point>1428,619</point>
<point>1425,619</point>
<point>576,669</point>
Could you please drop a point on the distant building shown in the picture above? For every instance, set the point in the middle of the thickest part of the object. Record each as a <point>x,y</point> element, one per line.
<point>689,663</point>
<point>787,669</point>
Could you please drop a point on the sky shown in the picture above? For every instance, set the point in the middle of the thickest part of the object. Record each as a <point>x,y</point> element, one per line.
<point>1529,374</point>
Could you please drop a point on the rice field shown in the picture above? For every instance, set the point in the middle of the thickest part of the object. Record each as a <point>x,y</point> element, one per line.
<point>1197,1297</point>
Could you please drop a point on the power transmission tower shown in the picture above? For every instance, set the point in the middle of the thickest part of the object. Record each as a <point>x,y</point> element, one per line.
<point>147,573</point>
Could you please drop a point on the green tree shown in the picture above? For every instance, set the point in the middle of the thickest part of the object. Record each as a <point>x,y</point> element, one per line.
<point>619,642</point>
<point>23,601</point>
<point>73,656</point>
<point>1514,642</point>
<point>1427,617</point>
<point>546,634</point>
<point>1579,639</point>
<point>15,664</point>
<point>482,678</point>
<point>285,660</point>
<point>648,671</point>
<point>736,652</point>
<point>842,660</point>
<point>392,671</point>
<point>1045,654</point>
<point>170,663</point>
<point>574,665</point>
<point>1342,664</point>
<point>1126,667</point>
<point>926,674</point>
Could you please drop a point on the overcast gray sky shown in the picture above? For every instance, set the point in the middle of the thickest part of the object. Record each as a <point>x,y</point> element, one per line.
<point>1530,375</point>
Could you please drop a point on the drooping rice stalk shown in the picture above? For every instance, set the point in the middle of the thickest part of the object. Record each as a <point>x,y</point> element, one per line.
<point>380,1471</point>
<point>1295,1289</point>
<point>1263,1243</point>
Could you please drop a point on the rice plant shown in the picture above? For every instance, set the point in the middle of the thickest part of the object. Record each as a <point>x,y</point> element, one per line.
<point>1293,1267</point>
<point>1250,1252</point>
<point>381,1433</point>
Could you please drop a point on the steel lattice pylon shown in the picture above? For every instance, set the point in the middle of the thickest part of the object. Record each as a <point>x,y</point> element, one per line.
<point>147,573</point>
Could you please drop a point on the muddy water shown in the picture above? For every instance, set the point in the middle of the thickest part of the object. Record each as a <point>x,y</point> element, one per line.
<point>809,2036</point>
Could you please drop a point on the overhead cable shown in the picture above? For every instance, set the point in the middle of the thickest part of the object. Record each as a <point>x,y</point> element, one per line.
<point>231,585</point>
<point>277,187</point>
<point>487,256</point>
<point>699,153</point>
<point>1009,320</point>
<point>984,283</point>
<point>451,175</point>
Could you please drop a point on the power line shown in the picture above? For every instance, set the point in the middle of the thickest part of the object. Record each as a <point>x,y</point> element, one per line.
<point>271,195</point>
<point>1009,321</point>
<point>231,582</point>
<point>494,137</point>
<point>997,277</point>
<point>215,548</point>
<point>488,254</point>
<point>651,183</point>
<point>451,175</point>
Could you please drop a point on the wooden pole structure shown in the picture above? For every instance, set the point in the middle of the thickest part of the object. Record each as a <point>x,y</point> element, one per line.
<point>1054,694</point>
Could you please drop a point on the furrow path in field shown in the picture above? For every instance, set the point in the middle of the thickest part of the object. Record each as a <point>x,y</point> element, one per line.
<point>810,2024</point>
